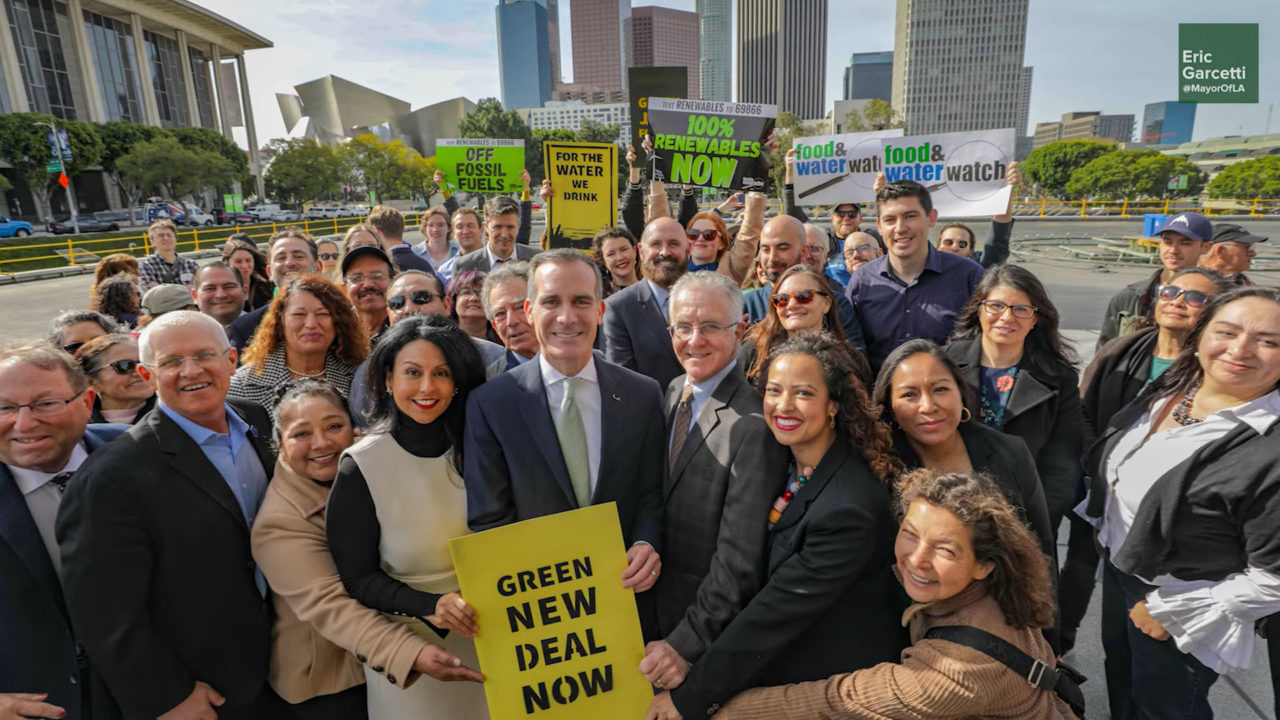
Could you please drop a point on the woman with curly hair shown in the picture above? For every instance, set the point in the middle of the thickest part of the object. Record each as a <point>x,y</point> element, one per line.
<point>615,250</point>
<point>802,302</point>
<point>249,261</point>
<point>110,266</point>
<point>310,331</point>
<point>830,603</point>
<point>966,560</point>
<point>118,298</point>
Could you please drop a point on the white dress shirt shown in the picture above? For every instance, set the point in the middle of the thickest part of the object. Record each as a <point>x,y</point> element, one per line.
<point>42,498</point>
<point>494,260</point>
<point>588,399</point>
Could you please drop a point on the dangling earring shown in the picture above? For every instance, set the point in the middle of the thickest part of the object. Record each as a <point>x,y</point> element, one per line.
<point>833,421</point>
<point>965,415</point>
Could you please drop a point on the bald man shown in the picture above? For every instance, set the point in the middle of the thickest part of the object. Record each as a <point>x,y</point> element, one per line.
<point>635,319</point>
<point>783,244</point>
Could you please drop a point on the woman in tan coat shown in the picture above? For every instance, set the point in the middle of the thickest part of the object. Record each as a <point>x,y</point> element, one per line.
<point>966,559</point>
<point>322,638</point>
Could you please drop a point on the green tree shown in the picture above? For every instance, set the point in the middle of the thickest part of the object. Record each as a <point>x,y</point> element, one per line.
<point>597,132</point>
<point>533,152</point>
<point>419,173</point>
<point>1052,166</point>
<point>1256,178</point>
<point>25,146</point>
<point>489,120</point>
<point>786,129</point>
<point>158,166</point>
<point>303,170</point>
<point>877,114</point>
<point>197,138</point>
<point>118,138</point>
<point>379,167</point>
<point>1133,174</point>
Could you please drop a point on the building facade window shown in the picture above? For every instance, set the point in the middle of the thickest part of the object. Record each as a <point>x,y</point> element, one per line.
<point>36,26</point>
<point>111,43</point>
<point>166,77</point>
<point>202,85</point>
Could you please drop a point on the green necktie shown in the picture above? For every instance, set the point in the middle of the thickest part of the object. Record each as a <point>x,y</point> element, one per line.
<point>573,443</point>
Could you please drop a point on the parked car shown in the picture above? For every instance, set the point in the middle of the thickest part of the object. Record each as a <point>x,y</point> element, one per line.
<point>14,228</point>
<point>196,216</point>
<point>285,216</point>
<point>355,210</point>
<point>88,224</point>
<point>321,212</point>
<point>242,218</point>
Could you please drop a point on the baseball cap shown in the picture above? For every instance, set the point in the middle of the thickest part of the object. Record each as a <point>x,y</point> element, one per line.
<point>167,298</point>
<point>1227,232</point>
<point>1189,224</point>
<point>359,252</point>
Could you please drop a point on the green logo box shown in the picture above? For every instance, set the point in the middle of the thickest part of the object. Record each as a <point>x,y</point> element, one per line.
<point>1218,62</point>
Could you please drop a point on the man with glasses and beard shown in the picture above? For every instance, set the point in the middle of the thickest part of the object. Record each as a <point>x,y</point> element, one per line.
<point>635,319</point>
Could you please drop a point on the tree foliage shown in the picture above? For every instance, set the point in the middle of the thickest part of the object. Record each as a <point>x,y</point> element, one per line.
<point>197,138</point>
<point>877,114</point>
<point>1051,167</point>
<point>24,144</point>
<point>303,170</point>
<point>118,138</point>
<point>1256,178</point>
<point>166,167</point>
<point>1133,174</point>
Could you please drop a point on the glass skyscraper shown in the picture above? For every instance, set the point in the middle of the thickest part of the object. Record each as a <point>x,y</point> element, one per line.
<point>524,53</point>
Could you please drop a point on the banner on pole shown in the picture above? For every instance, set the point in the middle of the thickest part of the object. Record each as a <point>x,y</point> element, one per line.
<point>710,143</point>
<point>559,636</point>
<point>646,82</point>
<point>964,172</point>
<point>584,177</point>
<point>833,169</point>
<point>481,165</point>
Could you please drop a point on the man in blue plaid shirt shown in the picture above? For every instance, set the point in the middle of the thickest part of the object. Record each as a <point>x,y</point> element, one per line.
<point>164,266</point>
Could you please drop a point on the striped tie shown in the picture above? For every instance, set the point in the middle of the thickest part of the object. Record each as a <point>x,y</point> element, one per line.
<point>573,443</point>
<point>680,426</point>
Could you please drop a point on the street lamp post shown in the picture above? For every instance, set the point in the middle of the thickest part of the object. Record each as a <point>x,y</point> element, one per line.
<point>71,193</point>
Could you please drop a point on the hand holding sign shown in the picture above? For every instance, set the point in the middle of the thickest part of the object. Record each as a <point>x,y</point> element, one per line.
<point>662,666</point>
<point>444,666</point>
<point>455,615</point>
<point>643,567</point>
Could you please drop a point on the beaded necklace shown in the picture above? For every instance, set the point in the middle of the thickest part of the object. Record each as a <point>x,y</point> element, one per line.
<point>1182,413</point>
<point>793,487</point>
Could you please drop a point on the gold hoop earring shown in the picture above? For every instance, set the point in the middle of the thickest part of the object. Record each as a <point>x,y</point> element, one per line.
<point>965,415</point>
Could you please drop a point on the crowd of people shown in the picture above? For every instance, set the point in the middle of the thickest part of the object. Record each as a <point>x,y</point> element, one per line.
<point>840,461</point>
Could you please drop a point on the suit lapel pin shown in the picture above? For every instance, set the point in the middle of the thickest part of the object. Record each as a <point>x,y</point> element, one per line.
<point>617,399</point>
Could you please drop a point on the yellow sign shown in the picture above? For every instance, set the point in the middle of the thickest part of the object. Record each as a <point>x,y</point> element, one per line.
<point>584,177</point>
<point>559,636</point>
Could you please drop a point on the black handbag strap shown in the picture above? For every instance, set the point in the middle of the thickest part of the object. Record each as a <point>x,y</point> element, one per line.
<point>1062,681</point>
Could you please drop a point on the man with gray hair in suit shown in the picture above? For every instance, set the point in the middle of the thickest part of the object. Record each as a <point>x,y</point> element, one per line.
<point>724,470</point>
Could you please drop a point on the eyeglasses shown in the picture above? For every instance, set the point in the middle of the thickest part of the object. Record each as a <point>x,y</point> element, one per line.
<point>329,256</point>
<point>962,244</point>
<point>997,308</point>
<point>846,213</point>
<point>375,276</point>
<point>709,234</point>
<point>804,297</point>
<point>44,407</point>
<point>417,297</point>
<point>864,249</point>
<point>684,331</point>
<point>125,366</point>
<point>204,359</point>
<point>1193,298</point>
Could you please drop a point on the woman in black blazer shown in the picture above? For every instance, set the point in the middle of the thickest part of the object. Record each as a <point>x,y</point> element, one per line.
<point>831,602</point>
<point>1023,377</point>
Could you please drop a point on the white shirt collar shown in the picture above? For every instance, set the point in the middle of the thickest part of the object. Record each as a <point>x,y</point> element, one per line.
<point>1259,414</point>
<point>28,480</point>
<point>494,259</point>
<point>550,375</point>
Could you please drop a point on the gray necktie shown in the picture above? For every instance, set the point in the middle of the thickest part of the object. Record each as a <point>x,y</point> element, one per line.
<point>680,426</point>
<point>573,443</point>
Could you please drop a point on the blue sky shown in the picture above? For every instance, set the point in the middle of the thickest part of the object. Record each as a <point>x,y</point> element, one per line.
<point>1088,54</point>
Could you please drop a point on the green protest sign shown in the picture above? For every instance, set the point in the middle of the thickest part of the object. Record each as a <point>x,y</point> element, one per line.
<point>710,143</point>
<point>232,202</point>
<point>481,165</point>
<point>1218,62</point>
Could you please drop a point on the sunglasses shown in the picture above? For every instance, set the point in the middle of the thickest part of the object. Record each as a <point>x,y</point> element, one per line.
<point>328,256</point>
<point>1193,298</point>
<point>846,213</point>
<point>418,297</point>
<point>710,234</point>
<point>125,366</point>
<point>804,297</point>
<point>962,244</point>
<point>72,348</point>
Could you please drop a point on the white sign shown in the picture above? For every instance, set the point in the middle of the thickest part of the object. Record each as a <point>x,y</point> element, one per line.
<point>964,172</point>
<point>832,169</point>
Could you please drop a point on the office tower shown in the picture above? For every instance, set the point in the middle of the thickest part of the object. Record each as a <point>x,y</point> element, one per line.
<point>553,40</point>
<point>958,66</point>
<point>782,54</point>
<point>662,37</point>
<point>1090,125</point>
<point>524,53</point>
<point>714,51</point>
<point>601,32</point>
<point>1168,123</point>
<point>869,76</point>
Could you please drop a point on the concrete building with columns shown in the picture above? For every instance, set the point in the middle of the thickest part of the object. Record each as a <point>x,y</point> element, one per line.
<point>167,63</point>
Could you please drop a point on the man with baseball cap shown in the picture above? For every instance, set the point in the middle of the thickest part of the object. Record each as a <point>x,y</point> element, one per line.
<point>166,298</point>
<point>1231,252</point>
<point>366,273</point>
<point>1182,241</point>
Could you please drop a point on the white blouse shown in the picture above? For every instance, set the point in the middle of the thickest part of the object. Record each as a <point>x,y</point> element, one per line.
<point>1210,620</point>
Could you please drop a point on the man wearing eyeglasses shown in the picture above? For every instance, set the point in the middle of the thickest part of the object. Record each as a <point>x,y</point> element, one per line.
<point>154,537</point>
<point>45,435</point>
<point>366,274</point>
<point>959,239</point>
<point>722,470</point>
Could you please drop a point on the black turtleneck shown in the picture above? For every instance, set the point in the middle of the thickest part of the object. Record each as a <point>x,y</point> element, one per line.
<point>354,531</point>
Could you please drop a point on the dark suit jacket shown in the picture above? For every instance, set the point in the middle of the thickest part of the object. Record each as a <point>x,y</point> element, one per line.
<point>831,603</point>
<point>479,259</point>
<point>635,334</point>
<point>37,648</point>
<point>514,469</point>
<point>715,509</point>
<point>241,330</point>
<point>1043,410</point>
<point>157,570</point>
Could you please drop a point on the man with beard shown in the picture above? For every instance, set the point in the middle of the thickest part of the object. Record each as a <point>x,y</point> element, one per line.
<point>782,244</point>
<point>219,292</point>
<point>290,252</point>
<point>635,319</point>
<point>366,274</point>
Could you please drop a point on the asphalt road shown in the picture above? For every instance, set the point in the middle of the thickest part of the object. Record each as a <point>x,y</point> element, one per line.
<point>1079,289</point>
